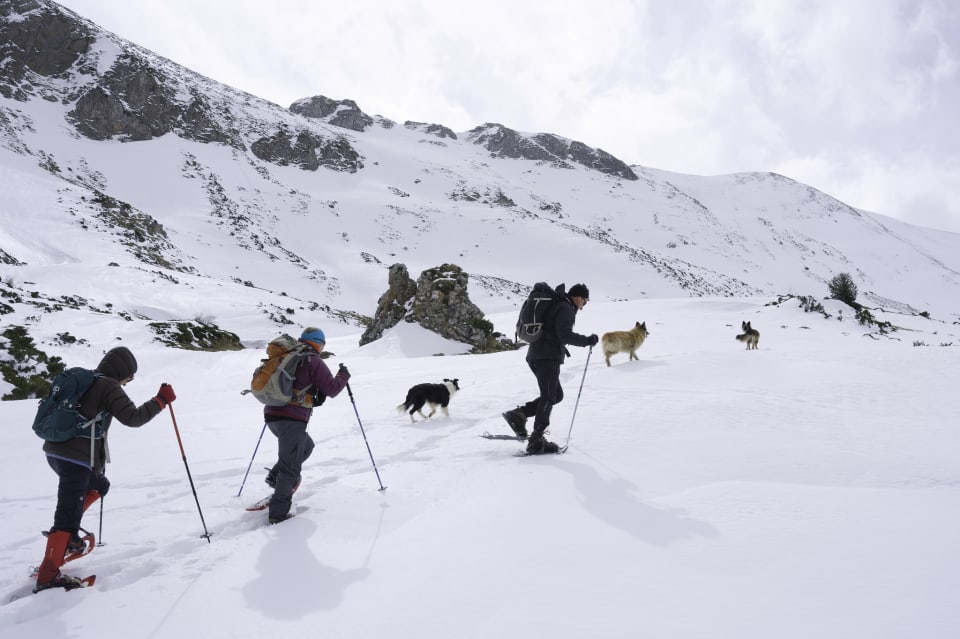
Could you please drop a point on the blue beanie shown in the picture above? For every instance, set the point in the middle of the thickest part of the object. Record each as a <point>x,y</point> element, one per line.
<point>313,334</point>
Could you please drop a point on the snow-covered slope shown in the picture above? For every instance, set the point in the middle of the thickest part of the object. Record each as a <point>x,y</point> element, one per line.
<point>177,209</point>
<point>806,489</point>
<point>803,489</point>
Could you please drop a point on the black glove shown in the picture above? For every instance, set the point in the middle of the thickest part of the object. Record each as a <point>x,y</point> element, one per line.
<point>592,340</point>
<point>343,372</point>
<point>319,398</point>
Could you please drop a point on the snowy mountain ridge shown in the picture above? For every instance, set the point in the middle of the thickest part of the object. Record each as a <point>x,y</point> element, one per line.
<point>118,156</point>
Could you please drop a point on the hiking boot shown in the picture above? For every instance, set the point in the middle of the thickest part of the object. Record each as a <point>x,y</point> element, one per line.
<point>60,581</point>
<point>271,479</point>
<point>278,519</point>
<point>538,445</point>
<point>76,545</point>
<point>517,422</point>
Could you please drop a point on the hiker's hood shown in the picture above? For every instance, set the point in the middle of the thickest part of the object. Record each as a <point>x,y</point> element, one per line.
<point>119,363</point>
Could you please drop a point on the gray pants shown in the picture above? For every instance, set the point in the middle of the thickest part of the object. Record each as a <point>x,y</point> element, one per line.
<point>294,446</point>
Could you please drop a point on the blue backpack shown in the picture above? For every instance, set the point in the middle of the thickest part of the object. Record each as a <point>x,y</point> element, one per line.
<point>58,416</point>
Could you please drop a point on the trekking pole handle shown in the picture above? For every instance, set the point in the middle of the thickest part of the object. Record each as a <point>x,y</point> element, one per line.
<point>350,393</point>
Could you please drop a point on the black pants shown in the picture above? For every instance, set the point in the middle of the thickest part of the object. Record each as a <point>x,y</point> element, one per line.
<point>75,481</point>
<point>294,446</point>
<point>547,372</point>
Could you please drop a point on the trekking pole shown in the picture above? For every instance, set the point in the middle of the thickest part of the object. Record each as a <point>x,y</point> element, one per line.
<point>100,529</point>
<point>350,393</point>
<point>589,353</point>
<point>255,448</point>
<point>205,535</point>
<point>93,439</point>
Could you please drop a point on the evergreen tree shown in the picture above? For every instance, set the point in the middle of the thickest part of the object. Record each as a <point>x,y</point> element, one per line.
<point>842,288</point>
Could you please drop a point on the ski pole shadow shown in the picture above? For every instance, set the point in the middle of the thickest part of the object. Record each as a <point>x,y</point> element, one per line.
<point>613,501</point>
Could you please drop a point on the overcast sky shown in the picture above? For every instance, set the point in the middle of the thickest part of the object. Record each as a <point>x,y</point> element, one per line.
<point>859,98</point>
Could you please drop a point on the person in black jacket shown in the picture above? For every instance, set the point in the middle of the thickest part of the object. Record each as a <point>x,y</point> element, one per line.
<point>544,358</point>
<point>80,462</point>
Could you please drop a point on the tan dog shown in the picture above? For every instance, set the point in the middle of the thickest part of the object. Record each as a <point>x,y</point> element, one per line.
<point>750,335</point>
<point>624,341</point>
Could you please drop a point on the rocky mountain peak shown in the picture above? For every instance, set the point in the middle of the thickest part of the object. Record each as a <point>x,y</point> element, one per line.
<point>342,113</point>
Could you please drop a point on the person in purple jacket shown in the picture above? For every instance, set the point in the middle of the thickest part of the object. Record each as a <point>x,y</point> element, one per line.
<point>289,423</point>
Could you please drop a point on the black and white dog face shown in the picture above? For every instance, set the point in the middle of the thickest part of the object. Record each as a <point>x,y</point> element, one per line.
<point>434,395</point>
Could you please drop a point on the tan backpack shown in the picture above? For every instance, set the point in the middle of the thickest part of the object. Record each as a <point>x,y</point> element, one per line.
<point>273,379</point>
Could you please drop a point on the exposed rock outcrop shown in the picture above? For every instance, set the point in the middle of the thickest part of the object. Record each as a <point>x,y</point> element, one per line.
<point>134,102</point>
<point>438,301</point>
<point>43,40</point>
<point>308,151</point>
<point>433,129</point>
<point>392,305</point>
<point>342,113</point>
<point>549,148</point>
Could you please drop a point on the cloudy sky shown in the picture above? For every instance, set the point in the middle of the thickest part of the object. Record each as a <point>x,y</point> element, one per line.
<point>858,98</point>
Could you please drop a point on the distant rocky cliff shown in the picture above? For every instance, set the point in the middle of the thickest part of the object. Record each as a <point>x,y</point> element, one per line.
<point>546,147</point>
<point>139,96</point>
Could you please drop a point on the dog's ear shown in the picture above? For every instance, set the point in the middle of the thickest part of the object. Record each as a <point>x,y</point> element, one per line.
<point>456,382</point>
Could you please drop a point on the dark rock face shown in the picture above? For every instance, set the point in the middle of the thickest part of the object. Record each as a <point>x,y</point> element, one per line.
<point>392,305</point>
<point>307,151</point>
<point>507,143</point>
<point>438,301</point>
<point>342,113</point>
<point>134,102</point>
<point>43,40</point>
<point>131,102</point>
<point>546,147</point>
<point>433,129</point>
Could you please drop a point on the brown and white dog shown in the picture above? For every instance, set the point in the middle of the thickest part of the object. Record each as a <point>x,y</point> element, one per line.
<point>750,335</point>
<point>434,395</point>
<point>624,341</point>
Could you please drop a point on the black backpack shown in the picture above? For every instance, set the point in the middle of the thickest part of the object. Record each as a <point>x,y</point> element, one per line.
<point>58,417</point>
<point>535,314</point>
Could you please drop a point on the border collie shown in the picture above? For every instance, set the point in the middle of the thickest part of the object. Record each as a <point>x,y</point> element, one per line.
<point>436,395</point>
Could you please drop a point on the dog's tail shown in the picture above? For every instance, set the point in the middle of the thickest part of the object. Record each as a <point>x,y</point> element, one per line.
<point>742,338</point>
<point>402,408</point>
